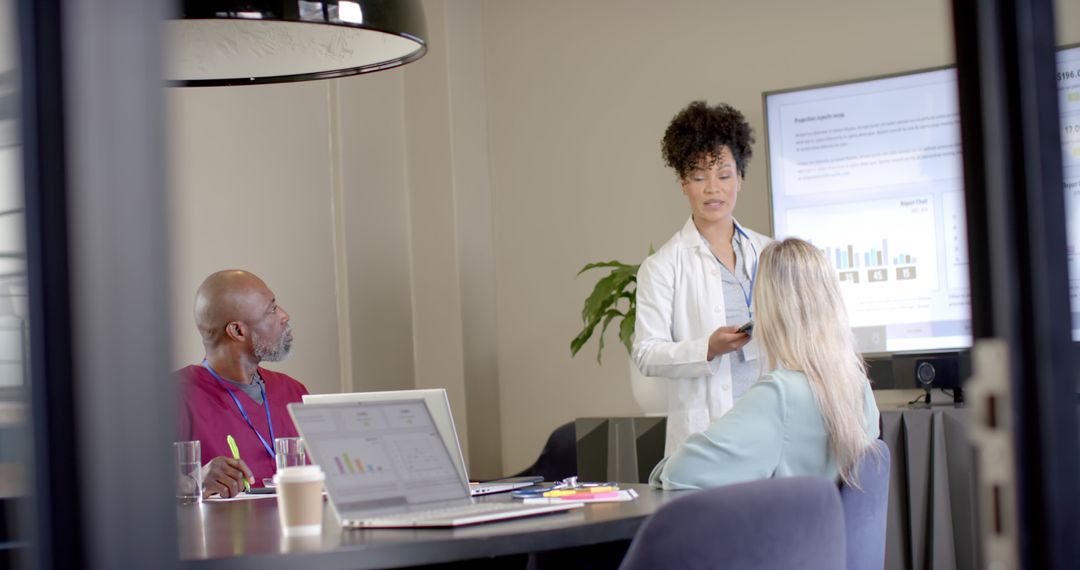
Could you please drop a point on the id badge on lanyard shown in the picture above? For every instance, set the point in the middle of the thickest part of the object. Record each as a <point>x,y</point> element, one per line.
<point>266,405</point>
<point>749,350</point>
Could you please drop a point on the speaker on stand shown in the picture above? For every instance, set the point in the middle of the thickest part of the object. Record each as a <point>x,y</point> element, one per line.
<point>940,372</point>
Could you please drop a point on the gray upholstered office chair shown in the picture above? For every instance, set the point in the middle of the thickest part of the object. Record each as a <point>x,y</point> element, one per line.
<point>786,523</point>
<point>558,459</point>
<point>865,510</point>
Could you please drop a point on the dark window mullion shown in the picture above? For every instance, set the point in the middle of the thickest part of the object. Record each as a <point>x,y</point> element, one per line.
<point>57,536</point>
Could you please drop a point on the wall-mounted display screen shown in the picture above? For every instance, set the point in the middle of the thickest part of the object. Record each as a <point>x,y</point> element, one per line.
<point>870,172</point>
<point>1068,81</point>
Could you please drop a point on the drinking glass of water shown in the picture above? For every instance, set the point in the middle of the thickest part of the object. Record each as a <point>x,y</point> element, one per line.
<point>289,452</point>
<point>188,471</point>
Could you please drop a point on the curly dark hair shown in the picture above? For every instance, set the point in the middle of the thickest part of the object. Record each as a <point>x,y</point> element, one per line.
<point>699,131</point>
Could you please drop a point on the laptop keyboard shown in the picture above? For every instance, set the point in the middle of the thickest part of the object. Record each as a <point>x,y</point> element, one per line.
<point>448,513</point>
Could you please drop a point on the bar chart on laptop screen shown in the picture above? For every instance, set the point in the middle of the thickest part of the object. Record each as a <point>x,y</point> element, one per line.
<point>358,462</point>
<point>381,450</point>
<point>375,461</point>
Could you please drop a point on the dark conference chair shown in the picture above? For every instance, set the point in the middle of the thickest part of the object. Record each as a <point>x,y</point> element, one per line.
<point>782,524</point>
<point>558,459</point>
<point>865,510</point>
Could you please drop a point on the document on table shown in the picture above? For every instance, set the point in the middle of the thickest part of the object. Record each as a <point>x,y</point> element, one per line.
<point>243,496</point>
<point>240,497</point>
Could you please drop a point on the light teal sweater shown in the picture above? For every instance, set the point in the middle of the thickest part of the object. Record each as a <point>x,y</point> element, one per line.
<point>775,430</point>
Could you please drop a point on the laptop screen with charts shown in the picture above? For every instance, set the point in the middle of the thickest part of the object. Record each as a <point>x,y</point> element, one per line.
<point>387,465</point>
<point>438,404</point>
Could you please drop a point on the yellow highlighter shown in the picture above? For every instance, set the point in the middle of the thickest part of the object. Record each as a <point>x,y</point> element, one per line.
<point>236,455</point>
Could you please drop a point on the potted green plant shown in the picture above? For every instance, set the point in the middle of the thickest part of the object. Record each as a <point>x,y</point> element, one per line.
<point>613,297</point>
<point>614,300</point>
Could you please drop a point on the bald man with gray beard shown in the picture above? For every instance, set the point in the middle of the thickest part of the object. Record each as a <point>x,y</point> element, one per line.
<point>241,325</point>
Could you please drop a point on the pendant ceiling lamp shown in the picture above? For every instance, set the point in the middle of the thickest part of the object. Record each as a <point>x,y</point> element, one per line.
<point>235,42</point>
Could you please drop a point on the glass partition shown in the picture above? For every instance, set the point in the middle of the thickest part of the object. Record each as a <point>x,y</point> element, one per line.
<point>13,306</point>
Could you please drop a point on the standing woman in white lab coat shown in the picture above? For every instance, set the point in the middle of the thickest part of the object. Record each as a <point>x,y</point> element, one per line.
<point>694,293</point>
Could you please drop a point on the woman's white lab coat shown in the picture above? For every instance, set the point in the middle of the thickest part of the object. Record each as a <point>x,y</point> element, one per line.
<point>680,302</point>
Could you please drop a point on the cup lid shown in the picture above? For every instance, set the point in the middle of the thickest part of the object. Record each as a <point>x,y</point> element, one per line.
<point>299,474</point>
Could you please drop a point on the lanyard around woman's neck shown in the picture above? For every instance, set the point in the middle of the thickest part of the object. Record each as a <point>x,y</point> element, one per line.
<point>265,402</point>
<point>748,295</point>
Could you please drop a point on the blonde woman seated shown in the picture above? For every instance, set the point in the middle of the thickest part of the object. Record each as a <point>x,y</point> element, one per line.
<point>814,413</point>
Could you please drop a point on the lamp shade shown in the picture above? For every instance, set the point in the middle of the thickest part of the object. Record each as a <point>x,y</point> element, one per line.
<point>233,42</point>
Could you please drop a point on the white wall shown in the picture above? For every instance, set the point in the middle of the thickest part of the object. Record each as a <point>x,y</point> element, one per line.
<point>431,219</point>
<point>438,335</point>
<point>250,189</point>
<point>475,248</point>
<point>370,116</point>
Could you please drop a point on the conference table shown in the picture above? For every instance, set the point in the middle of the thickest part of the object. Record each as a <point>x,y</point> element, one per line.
<point>213,534</point>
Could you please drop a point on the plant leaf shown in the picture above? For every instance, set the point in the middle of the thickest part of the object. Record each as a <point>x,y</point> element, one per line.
<point>611,263</point>
<point>587,330</point>
<point>608,315</point>
<point>626,330</point>
<point>582,338</point>
<point>606,292</point>
<point>601,290</point>
<point>601,306</point>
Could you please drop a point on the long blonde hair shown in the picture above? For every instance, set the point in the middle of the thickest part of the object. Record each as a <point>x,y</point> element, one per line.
<point>801,321</point>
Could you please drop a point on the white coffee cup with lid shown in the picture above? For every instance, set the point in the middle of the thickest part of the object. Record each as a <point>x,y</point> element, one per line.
<point>299,497</point>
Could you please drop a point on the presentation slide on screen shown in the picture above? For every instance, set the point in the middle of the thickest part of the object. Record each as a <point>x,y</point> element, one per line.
<point>870,172</point>
<point>1068,81</point>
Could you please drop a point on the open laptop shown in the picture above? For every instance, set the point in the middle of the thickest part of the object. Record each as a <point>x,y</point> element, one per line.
<point>387,466</point>
<point>438,404</point>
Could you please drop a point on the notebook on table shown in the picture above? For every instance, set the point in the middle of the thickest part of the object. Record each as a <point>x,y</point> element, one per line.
<point>438,404</point>
<point>387,466</point>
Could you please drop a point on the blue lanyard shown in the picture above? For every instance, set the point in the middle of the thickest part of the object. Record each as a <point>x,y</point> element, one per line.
<point>266,405</point>
<point>749,296</point>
